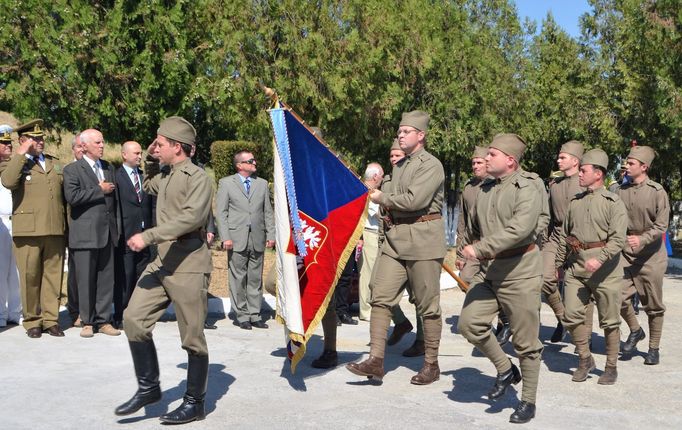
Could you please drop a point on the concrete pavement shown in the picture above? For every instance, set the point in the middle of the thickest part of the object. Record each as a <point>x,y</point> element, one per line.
<point>67,383</point>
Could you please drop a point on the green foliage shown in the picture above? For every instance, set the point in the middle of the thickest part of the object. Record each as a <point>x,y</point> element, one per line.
<point>222,158</point>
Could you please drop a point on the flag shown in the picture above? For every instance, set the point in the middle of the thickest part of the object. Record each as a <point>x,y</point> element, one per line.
<point>320,213</point>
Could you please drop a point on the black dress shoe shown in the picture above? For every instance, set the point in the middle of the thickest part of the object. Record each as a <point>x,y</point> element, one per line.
<point>399,330</point>
<point>55,331</point>
<point>652,357</point>
<point>259,324</point>
<point>503,381</point>
<point>631,342</point>
<point>558,333</point>
<point>524,412</point>
<point>245,325</point>
<point>209,326</point>
<point>347,319</point>
<point>503,334</point>
<point>327,360</point>
<point>34,332</point>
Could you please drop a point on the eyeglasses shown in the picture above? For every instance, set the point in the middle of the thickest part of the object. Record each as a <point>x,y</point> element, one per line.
<point>249,161</point>
<point>406,132</point>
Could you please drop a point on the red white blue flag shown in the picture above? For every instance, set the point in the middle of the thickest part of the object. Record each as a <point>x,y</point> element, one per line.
<point>320,212</point>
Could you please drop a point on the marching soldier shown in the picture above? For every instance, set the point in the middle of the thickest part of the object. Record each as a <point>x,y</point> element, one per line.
<point>645,255</point>
<point>590,244</point>
<point>179,275</point>
<point>413,249</point>
<point>508,220</point>
<point>38,223</point>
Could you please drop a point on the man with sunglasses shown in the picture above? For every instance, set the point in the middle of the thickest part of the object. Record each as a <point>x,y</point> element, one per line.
<point>247,226</point>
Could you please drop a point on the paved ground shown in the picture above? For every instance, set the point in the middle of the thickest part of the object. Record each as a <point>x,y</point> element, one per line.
<point>68,383</point>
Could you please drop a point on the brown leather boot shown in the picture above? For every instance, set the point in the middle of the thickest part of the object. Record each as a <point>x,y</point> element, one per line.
<point>609,376</point>
<point>585,366</point>
<point>429,373</point>
<point>372,368</point>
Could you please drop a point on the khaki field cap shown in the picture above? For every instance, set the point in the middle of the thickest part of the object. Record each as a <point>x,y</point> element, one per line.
<point>178,129</point>
<point>416,119</point>
<point>645,154</point>
<point>479,152</point>
<point>596,157</point>
<point>32,128</point>
<point>509,143</point>
<point>396,145</point>
<point>574,148</point>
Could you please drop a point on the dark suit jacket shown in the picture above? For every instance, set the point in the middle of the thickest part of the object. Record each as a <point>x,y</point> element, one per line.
<point>131,212</point>
<point>93,213</point>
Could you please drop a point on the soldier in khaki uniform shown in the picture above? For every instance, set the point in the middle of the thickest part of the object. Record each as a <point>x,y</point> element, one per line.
<point>38,223</point>
<point>590,244</point>
<point>509,217</point>
<point>646,259</point>
<point>561,191</point>
<point>179,275</point>
<point>413,249</point>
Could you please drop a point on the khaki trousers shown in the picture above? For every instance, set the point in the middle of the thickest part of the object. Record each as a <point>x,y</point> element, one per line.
<point>370,250</point>
<point>154,291</point>
<point>40,261</point>
<point>607,295</point>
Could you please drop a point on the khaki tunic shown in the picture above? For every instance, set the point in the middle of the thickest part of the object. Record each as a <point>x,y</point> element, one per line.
<point>561,192</point>
<point>648,211</point>
<point>597,216</point>
<point>38,224</point>
<point>467,212</point>
<point>180,272</point>
<point>412,252</point>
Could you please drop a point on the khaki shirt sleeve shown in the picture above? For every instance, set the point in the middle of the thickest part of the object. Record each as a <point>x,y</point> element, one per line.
<point>11,171</point>
<point>193,215</point>
<point>150,183</point>
<point>616,238</point>
<point>661,222</point>
<point>428,179</point>
<point>527,208</point>
<point>562,252</point>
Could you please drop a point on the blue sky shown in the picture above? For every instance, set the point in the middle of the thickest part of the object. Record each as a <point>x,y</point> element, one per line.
<point>566,12</point>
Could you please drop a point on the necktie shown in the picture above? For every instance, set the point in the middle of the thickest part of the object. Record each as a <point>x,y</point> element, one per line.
<point>36,159</point>
<point>98,172</point>
<point>247,184</point>
<point>136,184</point>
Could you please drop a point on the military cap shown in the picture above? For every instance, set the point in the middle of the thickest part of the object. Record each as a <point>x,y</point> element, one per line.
<point>479,152</point>
<point>645,154</point>
<point>596,157</point>
<point>396,145</point>
<point>32,128</point>
<point>574,148</point>
<point>5,136</point>
<point>417,119</point>
<point>317,131</point>
<point>509,143</point>
<point>178,129</point>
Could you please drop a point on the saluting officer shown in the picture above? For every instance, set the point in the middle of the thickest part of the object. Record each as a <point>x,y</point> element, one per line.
<point>646,258</point>
<point>510,214</point>
<point>413,249</point>
<point>589,249</point>
<point>38,222</point>
<point>178,275</point>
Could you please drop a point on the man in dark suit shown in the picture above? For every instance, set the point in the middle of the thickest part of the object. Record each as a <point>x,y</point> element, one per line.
<point>89,189</point>
<point>246,225</point>
<point>134,216</point>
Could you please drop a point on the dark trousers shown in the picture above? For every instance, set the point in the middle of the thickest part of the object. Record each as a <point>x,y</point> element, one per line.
<point>128,266</point>
<point>343,287</point>
<point>72,289</point>
<point>95,279</point>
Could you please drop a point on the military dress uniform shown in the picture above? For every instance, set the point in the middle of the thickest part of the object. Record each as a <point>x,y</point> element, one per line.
<point>648,211</point>
<point>510,214</point>
<point>38,222</point>
<point>412,251</point>
<point>178,275</point>
<point>594,228</point>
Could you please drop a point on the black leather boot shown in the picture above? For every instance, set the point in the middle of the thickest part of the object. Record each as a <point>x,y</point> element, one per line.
<point>503,334</point>
<point>524,412</point>
<point>504,380</point>
<point>327,360</point>
<point>192,407</point>
<point>147,373</point>
<point>558,334</point>
<point>653,357</point>
<point>633,338</point>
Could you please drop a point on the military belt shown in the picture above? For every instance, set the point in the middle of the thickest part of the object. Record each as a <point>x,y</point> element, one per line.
<point>507,253</point>
<point>416,219</point>
<point>575,244</point>
<point>635,233</point>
